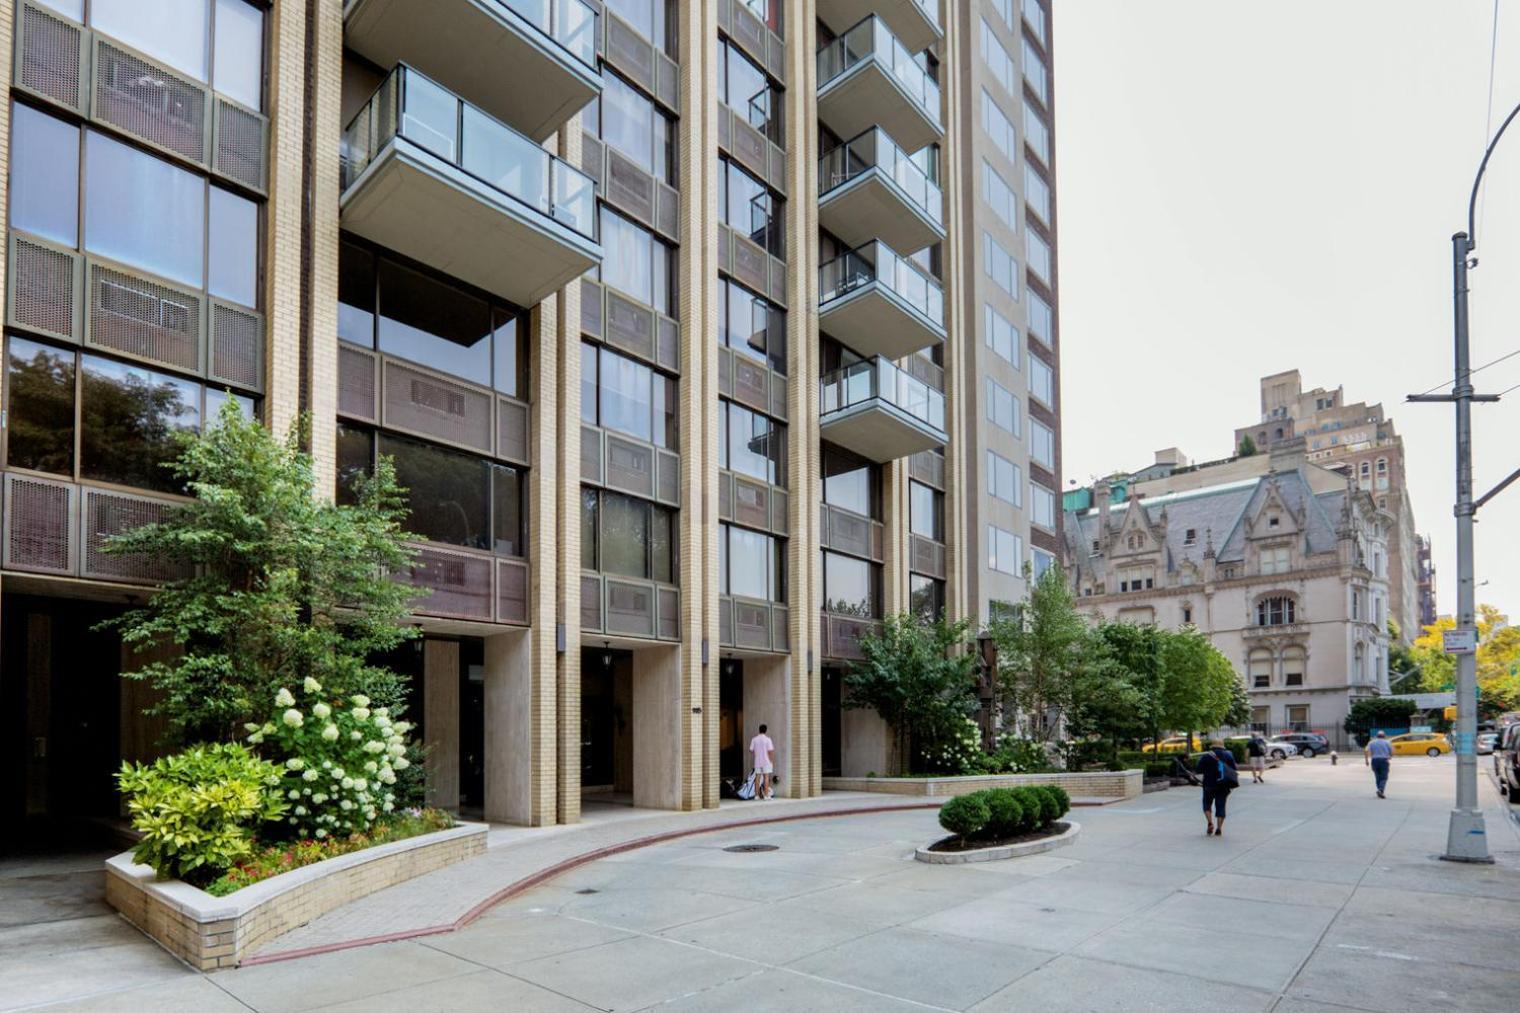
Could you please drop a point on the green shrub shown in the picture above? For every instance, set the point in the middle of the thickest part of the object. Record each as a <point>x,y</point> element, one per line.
<point>964,815</point>
<point>1157,768</point>
<point>197,810</point>
<point>1031,806</point>
<point>1006,813</point>
<point>1063,800</point>
<point>1051,805</point>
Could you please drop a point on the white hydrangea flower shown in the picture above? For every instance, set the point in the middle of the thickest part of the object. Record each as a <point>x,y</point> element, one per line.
<point>397,749</point>
<point>319,798</point>
<point>321,710</point>
<point>361,713</point>
<point>309,775</point>
<point>345,805</point>
<point>256,737</point>
<point>382,722</point>
<point>250,727</point>
<point>359,700</point>
<point>293,793</point>
<point>283,698</point>
<point>311,685</point>
<point>305,791</point>
<point>371,767</point>
<point>387,778</point>
<point>388,806</point>
<point>292,717</point>
<point>321,832</point>
<point>401,763</point>
<point>383,712</point>
<point>327,765</point>
<point>374,746</point>
<point>361,783</point>
<point>300,810</point>
<point>348,782</point>
<point>402,727</point>
<point>330,733</point>
<point>356,735</point>
<point>295,763</point>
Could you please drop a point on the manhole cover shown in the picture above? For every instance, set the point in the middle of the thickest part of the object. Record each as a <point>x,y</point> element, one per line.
<point>745,849</point>
<point>587,890</point>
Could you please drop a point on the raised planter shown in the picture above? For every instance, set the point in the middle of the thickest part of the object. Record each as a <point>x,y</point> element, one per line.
<point>998,852</point>
<point>213,932</point>
<point>1100,784</point>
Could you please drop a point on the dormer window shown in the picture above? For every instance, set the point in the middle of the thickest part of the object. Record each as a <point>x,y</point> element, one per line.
<point>1097,547</point>
<point>1275,560</point>
<point>1190,537</point>
<point>1279,610</point>
<point>1273,520</point>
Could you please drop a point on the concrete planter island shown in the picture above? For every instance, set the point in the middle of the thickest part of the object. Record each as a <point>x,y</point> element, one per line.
<point>1086,788</point>
<point>209,932</point>
<point>1064,832</point>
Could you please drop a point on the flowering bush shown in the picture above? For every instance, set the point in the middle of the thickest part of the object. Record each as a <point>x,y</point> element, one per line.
<point>958,753</point>
<point>1015,755</point>
<point>196,810</point>
<point>339,760</point>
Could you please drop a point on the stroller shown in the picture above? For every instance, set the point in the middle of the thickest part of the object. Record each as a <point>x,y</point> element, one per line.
<point>750,789</point>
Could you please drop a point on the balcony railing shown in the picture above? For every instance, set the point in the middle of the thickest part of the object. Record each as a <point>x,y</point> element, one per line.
<point>878,379</point>
<point>877,262</point>
<point>871,39</point>
<point>875,150</point>
<point>410,105</point>
<point>570,23</point>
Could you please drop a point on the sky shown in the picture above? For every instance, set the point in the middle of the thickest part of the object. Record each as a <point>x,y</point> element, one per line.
<point>1250,188</point>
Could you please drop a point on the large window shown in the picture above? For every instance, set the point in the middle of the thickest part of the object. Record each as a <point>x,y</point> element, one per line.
<point>926,597</point>
<point>1037,192</point>
<point>1002,407</point>
<point>744,88</point>
<point>1042,505</point>
<point>751,444</point>
<point>751,325</point>
<point>747,207</point>
<point>1005,551</point>
<point>1259,668</point>
<point>750,564</point>
<point>429,321</point>
<point>926,511</point>
<point>635,262</point>
<point>1279,610</point>
<point>39,407</point>
<point>1042,381</point>
<point>1039,562</point>
<point>851,482</point>
<point>1034,13</point>
<point>44,194</point>
<point>653,19</point>
<point>1037,254</point>
<point>1278,560</point>
<point>997,125</point>
<point>220,42</point>
<point>621,394</point>
<point>1004,479</point>
<point>1042,443</point>
<point>1035,72</point>
<point>1001,336</point>
<point>851,587</point>
<point>996,58</point>
<point>999,265</point>
<point>631,123</point>
<point>1041,322</point>
<point>452,497</point>
<point>999,196</point>
<point>627,537</point>
<point>1036,133</point>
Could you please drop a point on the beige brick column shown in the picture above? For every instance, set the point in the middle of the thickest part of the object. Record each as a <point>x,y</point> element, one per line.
<point>961,321</point>
<point>555,492</point>
<point>696,309</point>
<point>327,179</point>
<point>7,44</point>
<point>803,771</point>
<point>282,219</point>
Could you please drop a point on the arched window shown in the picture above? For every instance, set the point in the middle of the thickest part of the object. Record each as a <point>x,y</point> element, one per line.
<point>1359,665</point>
<point>1382,465</point>
<point>1279,610</point>
<point>1293,666</point>
<point>1259,668</point>
<point>1278,434</point>
<point>1366,470</point>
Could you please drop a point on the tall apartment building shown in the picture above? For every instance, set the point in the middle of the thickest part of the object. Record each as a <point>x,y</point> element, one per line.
<point>695,331</point>
<point>1359,441</point>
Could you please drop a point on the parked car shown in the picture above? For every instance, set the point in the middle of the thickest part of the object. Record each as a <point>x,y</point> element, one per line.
<point>1486,742</point>
<point>1280,750</point>
<point>1507,762</point>
<point>1175,744</point>
<point>1414,743</point>
<point>1306,743</point>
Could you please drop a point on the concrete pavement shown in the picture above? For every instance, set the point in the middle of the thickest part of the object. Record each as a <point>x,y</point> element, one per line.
<point>1320,898</point>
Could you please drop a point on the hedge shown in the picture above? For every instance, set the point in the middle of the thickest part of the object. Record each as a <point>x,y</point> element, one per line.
<point>996,813</point>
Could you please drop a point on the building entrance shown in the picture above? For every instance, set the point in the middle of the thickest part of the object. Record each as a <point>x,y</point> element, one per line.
<point>733,763</point>
<point>606,726</point>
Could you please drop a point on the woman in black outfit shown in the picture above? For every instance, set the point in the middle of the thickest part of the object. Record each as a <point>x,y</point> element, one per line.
<point>1216,784</point>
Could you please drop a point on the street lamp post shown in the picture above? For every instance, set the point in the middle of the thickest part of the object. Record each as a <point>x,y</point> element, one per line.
<point>1466,834</point>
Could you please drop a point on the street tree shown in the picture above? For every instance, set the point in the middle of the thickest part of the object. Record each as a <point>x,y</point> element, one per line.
<point>1043,650</point>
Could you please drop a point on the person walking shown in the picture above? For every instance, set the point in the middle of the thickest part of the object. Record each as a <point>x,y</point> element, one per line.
<point>1377,755</point>
<point>1217,768</point>
<point>763,750</point>
<point>1256,749</point>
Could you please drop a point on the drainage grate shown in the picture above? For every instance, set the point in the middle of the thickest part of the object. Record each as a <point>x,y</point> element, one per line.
<point>744,849</point>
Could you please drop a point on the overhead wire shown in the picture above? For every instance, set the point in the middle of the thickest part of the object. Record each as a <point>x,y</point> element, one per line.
<point>1470,372</point>
<point>1488,118</point>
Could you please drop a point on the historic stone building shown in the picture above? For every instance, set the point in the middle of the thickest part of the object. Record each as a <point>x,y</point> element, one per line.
<point>1285,570</point>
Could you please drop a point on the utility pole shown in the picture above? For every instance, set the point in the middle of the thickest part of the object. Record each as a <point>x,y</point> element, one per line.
<point>1466,834</point>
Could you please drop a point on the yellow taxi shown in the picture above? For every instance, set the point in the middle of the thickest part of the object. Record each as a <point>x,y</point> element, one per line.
<point>1415,743</point>
<point>1175,744</point>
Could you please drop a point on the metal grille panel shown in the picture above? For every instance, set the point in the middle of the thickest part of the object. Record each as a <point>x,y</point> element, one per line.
<point>629,187</point>
<point>927,467</point>
<point>630,326</point>
<point>591,156</point>
<point>928,557</point>
<point>725,496</point>
<point>630,466</point>
<point>512,430</point>
<point>237,346</point>
<point>111,513</point>
<point>781,633</point>
<point>591,308</point>
<point>778,396</point>
<point>842,636</point>
<point>629,51</point>
<point>749,31</point>
<point>356,383</point>
<point>725,622</point>
<point>750,383</point>
<point>749,264</point>
<point>149,101</point>
<point>432,406</point>
<point>240,144</point>
<point>670,613</point>
<point>45,285</point>
<point>591,454</point>
<point>668,343</point>
<point>591,604</point>
<point>780,524</point>
<point>39,525</point>
<point>748,146</point>
<point>511,592</point>
<point>668,87</point>
<point>778,280</point>
<point>752,624</point>
<point>751,501</point>
<point>144,318</point>
<point>461,584</point>
<point>852,533</point>
<point>52,51</point>
<point>668,486</point>
<point>725,371</point>
<point>630,608</point>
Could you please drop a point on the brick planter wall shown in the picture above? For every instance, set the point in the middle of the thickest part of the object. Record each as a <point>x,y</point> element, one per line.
<point>213,932</point>
<point>1096,784</point>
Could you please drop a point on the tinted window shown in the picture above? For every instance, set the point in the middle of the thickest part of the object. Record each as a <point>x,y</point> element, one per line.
<point>356,448</point>
<point>447,492</point>
<point>626,399</point>
<point>755,444</point>
<point>926,512</point>
<point>849,586</point>
<point>753,564</point>
<point>233,261</point>
<point>44,175</point>
<point>356,295</point>
<point>240,52</point>
<point>217,399</point>
<point>650,17</point>
<point>40,407</point>
<point>748,207</point>
<point>434,324</point>
<point>752,326</point>
<point>507,488</point>
<point>849,482</point>
<point>173,31</point>
<point>662,551</point>
<point>926,596</point>
<point>511,355</point>
<point>588,383</point>
<point>625,536</point>
<point>589,504</point>
<point>129,417</point>
<point>746,90</point>
<point>635,263</point>
<point>143,211</point>
<point>628,121</point>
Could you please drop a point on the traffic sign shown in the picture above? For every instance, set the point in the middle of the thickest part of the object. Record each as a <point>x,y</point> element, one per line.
<point>1460,641</point>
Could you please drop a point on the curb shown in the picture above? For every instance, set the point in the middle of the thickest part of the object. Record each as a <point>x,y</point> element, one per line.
<point>1003,851</point>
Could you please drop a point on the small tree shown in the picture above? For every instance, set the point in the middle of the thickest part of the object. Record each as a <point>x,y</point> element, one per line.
<point>1197,690</point>
<point>1131,653</point>
<point>920,676</point>
<point>1247,446</point>
<point>1042,650</point>
<point>285,585</point>
<point>1372,713</point>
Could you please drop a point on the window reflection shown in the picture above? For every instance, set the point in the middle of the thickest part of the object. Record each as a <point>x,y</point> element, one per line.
<point>634,262</point>
<point>748,207</point>
<point>143,211</point>
<point>750,325</point>
<point>356,456</point>
<point>754,445</point>
<point>434,324</point>
<point>44,197</point>
<point>447,492</point>
<point>40,408</point>
<point>850,482</point>
<point>850,586</point>
<point>128,421</point>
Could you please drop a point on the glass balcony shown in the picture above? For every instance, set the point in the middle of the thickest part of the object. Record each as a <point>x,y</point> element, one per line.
<point>879,411</point>
<point>436,179</point>
<point>879,303</point>
<point>915,22</point>
<point>870,189</point>
<point>530,63</point>
<point>867,78</point>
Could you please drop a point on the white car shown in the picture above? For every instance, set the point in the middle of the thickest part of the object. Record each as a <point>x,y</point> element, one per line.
<point>1281,750</point>
<point>1486,742</point>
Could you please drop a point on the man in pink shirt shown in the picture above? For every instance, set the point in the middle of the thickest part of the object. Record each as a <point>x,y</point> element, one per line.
<point>762,748</point>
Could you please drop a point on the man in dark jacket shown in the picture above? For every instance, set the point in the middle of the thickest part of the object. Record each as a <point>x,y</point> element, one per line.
<point>1216,768</point>
<point>1256,749</point>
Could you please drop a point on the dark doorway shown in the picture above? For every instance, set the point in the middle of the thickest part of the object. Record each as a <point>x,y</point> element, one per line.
<point>61,721</point>
<point>472,725</point>
<point>607,724</point>
<point>731,759</point>
<point>832,717</point>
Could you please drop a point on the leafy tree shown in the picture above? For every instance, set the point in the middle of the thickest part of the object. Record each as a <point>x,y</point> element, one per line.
<point>1197,689</point>
<point>921,678</point>
<point>1239,714</point>
<point>1404,674</point>
<point>1114,698</point>
<point>1247,446</point>
<point>1498,658</point>
<point>1376,712</point>
<point>1043,650</point>
<point>286,585</point>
